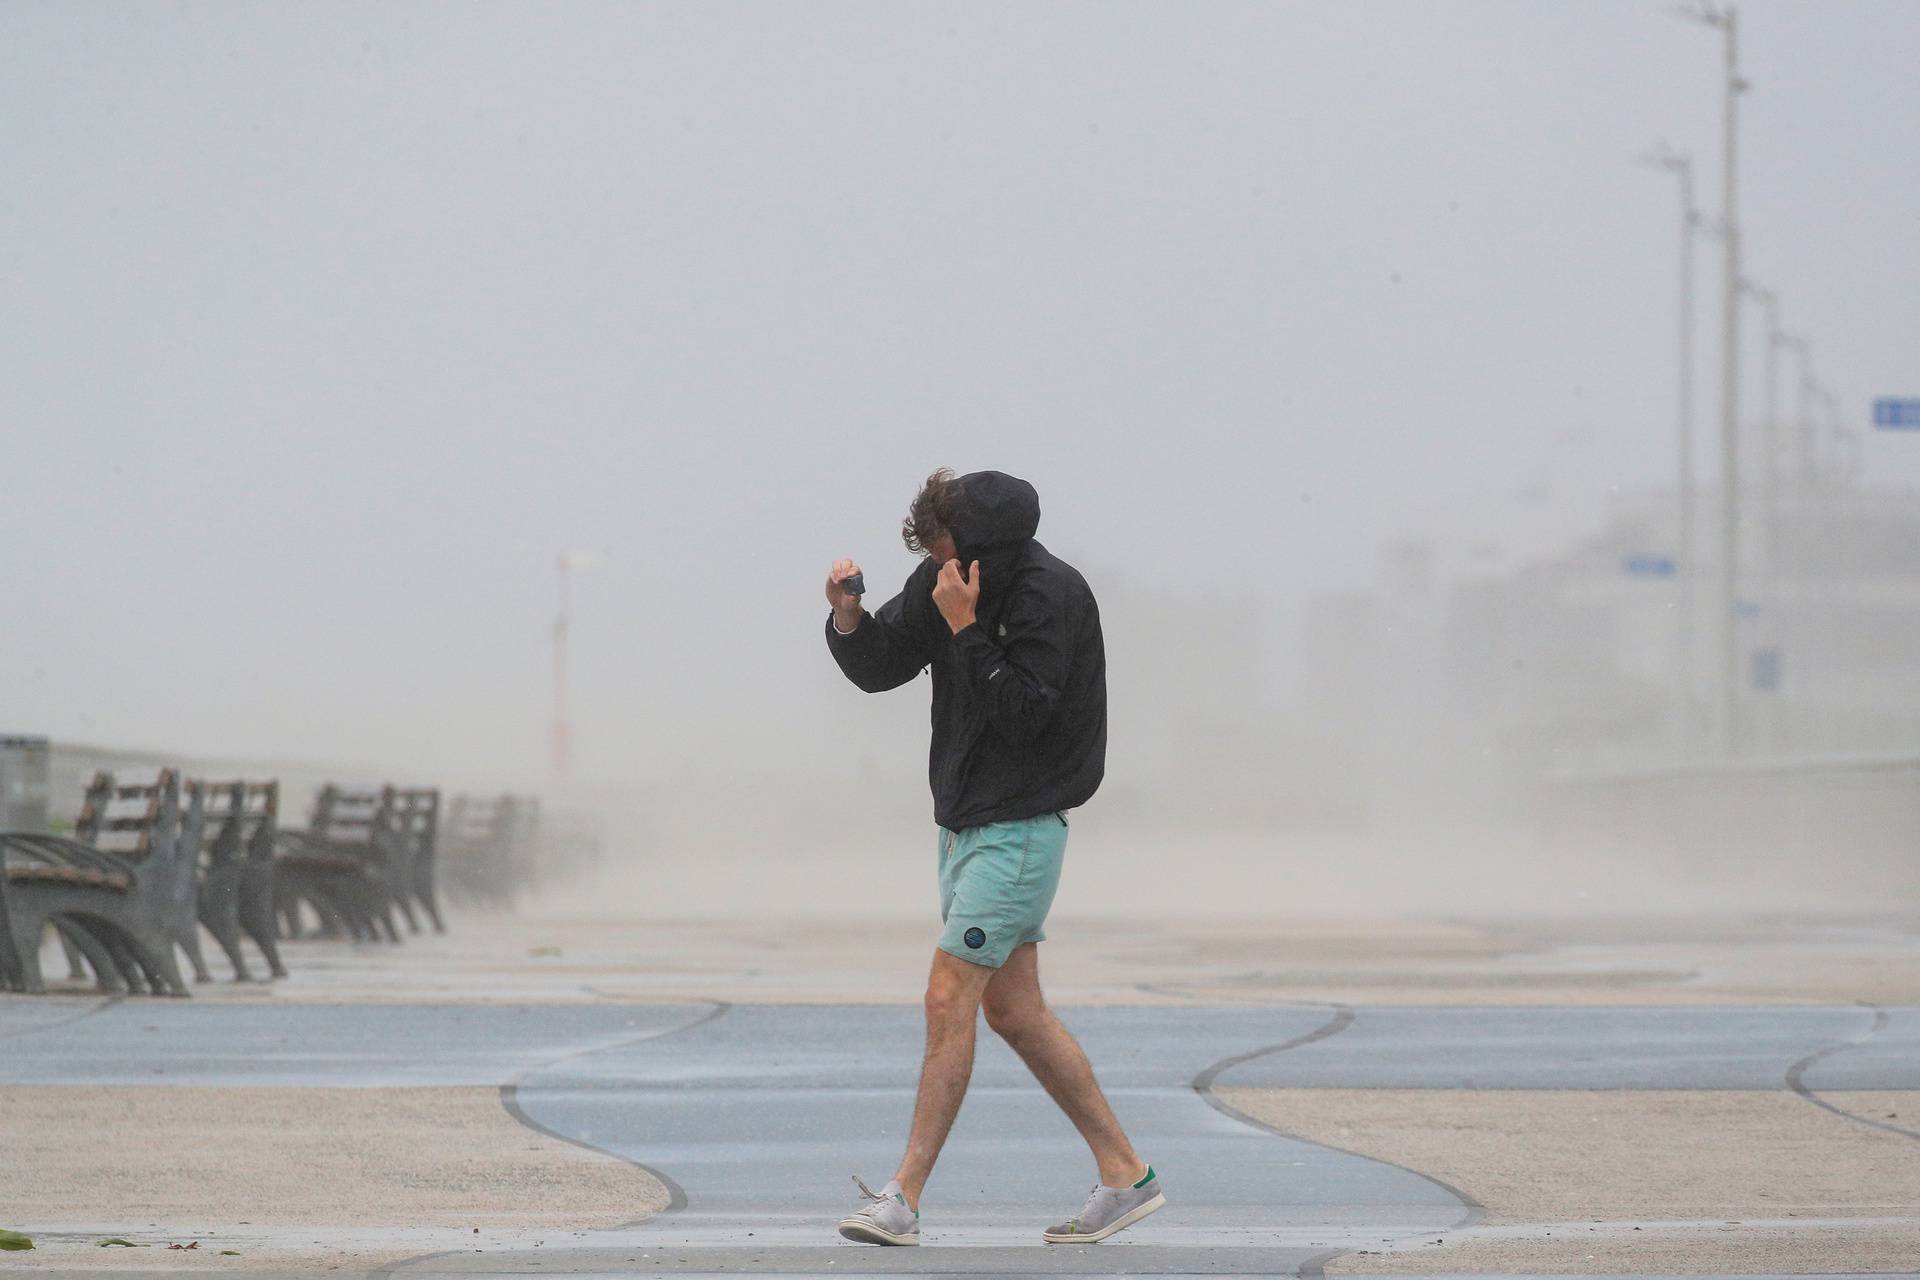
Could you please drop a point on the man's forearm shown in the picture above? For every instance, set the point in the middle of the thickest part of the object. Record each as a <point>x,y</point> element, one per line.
<point>845,622</point>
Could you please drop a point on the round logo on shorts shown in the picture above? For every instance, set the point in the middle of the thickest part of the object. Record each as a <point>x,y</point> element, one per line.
<point>975,937</point>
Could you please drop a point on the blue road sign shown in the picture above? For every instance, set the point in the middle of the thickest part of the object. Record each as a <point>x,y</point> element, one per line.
<point>1890,413</point>
<point>1646,564</point>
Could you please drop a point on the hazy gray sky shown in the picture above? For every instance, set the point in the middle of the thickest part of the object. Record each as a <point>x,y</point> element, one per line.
<point>327,326</point>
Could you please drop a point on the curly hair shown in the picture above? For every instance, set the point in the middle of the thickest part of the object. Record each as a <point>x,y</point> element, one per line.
<point>932,511</point>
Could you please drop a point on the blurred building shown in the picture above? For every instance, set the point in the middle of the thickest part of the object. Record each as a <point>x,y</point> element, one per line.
<point>1478,661</point>
<point>1844,613</point>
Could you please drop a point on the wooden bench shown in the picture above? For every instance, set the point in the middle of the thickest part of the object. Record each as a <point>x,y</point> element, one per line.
<point>116,893</point>
<point>416,816</point>
<point>367,854</point>
<point>226,846</point>
<point>344,868</point>
<point>236,869</point>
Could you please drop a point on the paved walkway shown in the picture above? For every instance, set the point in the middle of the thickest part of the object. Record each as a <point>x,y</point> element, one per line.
<point>755,1115</point>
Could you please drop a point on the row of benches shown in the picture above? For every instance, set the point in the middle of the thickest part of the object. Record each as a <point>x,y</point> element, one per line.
<point>153,861</point>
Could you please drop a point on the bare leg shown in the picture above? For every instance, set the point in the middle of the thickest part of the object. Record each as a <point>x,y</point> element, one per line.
<point>953,1004</point>
<point>1019,1014</point>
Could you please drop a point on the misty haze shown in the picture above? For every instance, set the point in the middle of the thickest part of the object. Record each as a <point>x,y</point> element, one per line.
<point>1337,342</point>
<point>1502,506</point>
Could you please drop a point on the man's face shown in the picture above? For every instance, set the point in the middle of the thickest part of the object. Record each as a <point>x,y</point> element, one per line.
<point>941,549</point>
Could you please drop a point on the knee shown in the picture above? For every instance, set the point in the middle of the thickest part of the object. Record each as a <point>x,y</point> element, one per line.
<point>947,1004</point>
<point>1015,1021</point>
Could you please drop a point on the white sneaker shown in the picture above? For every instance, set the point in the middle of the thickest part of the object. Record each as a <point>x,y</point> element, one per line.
<point>885,1219</point>
<point>1109,1209</point>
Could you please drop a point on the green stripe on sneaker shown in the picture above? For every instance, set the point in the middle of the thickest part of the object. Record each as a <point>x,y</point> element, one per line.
<point>1149,1178</point>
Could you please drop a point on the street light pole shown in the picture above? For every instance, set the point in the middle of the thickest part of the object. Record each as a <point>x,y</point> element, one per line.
<point>1681,166</point>
<point>1730,409</point>
<point>1726,20</point>
<point>1765,726</point>
<point>1769,431</point>
<point>1770,441</point>
<point>1788,722</point>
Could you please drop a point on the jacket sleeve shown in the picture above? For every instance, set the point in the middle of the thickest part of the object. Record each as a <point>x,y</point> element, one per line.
<point>1019,677</point>
<point>886,650</point>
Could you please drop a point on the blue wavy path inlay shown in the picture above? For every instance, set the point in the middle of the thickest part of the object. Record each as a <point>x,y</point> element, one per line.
<point>1548,1048</point>
<point>159,1042</point>
<point>762,1115</point>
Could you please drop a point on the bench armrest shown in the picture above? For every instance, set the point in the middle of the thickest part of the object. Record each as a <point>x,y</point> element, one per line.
<point>59,851</point>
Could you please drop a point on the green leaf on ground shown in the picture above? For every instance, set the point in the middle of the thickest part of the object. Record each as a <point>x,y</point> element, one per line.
<point>14,1240</point>
<point>124,1244</point>
<point>229,1253</point>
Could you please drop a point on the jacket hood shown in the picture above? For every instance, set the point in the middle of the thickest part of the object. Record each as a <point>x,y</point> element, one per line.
<point>998,514</point>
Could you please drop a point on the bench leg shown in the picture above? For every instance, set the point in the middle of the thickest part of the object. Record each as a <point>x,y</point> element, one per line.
<point>287,903</point>
<point>332,925</point>
<point>124,958</point>
<point>423,890</point>
<point>28,957</point>
<point>78,938</point>
<point>383,920</point>
<point>153,951</point>
<point>188,938</point>
<point>399,899</point>
<point>255,913</point>
<point>225,928</point>
<point>217,907</point>
<point>76,967</point>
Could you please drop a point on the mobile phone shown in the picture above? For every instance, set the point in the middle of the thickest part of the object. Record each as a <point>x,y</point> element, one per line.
<point>857,584</point>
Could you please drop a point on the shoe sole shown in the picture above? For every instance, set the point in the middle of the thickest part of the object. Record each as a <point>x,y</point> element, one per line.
<point>1120,1223</point>
<point>860,1231</point>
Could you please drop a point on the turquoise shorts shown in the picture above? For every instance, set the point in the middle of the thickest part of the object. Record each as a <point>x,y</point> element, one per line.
<point>996,885</point>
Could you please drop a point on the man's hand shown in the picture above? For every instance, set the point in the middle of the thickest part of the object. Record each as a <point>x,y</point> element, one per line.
<point>956,595</point>
<point>846,605</point>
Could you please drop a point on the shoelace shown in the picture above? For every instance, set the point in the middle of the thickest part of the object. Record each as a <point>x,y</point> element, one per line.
<point>1086,1208</point>
<point>877,1197</point>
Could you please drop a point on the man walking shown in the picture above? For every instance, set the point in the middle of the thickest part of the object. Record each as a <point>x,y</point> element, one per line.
<point>1012,634</point>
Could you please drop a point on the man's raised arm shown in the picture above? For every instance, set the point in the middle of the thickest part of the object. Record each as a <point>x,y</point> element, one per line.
<point>877,651</point>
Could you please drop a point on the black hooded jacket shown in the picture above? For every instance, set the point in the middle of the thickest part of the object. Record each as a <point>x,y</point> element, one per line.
<point>1019,697</point>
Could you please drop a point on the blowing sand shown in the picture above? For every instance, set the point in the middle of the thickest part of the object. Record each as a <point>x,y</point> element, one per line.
<point>554,957</point>
<point>1656,1181</point>
<point>294,1178</point>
